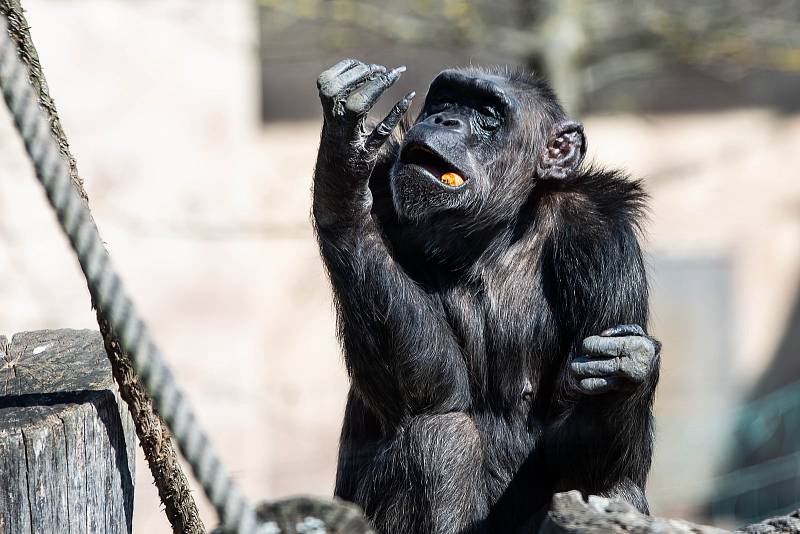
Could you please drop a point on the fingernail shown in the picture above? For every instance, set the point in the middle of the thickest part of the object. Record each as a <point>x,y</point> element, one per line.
<point>410,96</point>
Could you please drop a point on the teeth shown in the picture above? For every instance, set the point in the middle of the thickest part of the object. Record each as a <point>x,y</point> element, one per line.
<point>452,179</point>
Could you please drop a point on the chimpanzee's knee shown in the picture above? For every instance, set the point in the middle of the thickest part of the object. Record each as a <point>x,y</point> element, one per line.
<point>443,442</point>
<point>440,461</point>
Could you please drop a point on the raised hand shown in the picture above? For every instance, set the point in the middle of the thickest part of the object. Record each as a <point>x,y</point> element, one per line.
<point>348,91</point>
<point>621,358</point>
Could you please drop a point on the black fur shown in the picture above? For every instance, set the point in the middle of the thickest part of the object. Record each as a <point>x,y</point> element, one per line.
<point>458,327</point>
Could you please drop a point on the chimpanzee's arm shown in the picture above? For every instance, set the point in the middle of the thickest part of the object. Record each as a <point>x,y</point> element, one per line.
<point>402,357</point>
<point>600,436</point>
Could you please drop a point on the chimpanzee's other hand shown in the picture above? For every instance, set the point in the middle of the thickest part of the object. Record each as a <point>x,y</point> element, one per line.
<point>348,90</point>
<point>621,358</point>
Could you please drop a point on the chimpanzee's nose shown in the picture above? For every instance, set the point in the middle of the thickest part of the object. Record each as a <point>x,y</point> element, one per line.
<point>450,121</point>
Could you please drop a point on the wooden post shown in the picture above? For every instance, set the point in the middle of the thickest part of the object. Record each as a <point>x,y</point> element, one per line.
<point>67,442</point>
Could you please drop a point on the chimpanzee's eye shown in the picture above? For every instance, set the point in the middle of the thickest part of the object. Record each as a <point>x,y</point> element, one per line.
<point>488,111</point>
<point>436,107</point>
<point>488,118</point>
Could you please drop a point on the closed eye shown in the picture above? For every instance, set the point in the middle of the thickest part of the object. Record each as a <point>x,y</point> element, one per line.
<point>489,111</point>
<point>489,121</point>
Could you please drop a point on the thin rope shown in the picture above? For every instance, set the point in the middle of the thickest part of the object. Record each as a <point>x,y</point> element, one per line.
<point>109,294</point>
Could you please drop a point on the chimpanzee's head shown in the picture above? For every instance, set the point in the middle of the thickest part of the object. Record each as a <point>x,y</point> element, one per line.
<point>480,143</point>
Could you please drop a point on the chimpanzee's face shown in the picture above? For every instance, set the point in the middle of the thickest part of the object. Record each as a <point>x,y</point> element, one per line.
<point>480,144</point>
<point>445,157</point>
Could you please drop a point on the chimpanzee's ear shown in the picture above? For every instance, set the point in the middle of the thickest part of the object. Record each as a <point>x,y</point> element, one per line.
<point>564,151</point>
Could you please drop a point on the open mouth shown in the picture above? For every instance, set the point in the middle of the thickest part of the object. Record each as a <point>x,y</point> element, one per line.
<point>433,163</point>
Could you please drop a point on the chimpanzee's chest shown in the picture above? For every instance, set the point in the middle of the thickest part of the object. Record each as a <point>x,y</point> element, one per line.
<point>509,340</point>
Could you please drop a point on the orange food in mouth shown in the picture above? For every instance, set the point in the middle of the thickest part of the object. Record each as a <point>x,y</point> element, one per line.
<point>452,179</point>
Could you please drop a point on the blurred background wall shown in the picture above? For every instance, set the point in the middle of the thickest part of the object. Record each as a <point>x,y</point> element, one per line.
<point>195,124</point>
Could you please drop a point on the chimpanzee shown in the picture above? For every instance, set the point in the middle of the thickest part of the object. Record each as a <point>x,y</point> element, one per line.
<point>491,299</point>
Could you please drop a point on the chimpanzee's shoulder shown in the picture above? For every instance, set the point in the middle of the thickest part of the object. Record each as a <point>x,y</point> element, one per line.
<point>602,198</point>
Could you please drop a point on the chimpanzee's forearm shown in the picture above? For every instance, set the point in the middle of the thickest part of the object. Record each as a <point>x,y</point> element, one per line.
<point>397,347</point>
<point>341,196</point>
<point>401,355</point>
<point>603,442</point>
<point>601,431</point>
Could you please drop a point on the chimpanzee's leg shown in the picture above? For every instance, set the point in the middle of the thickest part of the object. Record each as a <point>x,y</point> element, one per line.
<point>425,479</point>
<point>360,442</point>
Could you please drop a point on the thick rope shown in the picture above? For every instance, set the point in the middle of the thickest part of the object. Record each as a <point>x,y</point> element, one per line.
<point>154,436</point>
<point>235,513</point>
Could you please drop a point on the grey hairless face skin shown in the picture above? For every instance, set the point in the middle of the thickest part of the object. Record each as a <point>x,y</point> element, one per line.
<point>492,303</point>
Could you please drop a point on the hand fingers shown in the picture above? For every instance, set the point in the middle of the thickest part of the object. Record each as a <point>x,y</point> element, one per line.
<point>385,127</point>
<point>332,87</point>
<point>631,370</point>
<point>334,71</point>
<point>624,330</point>
<point>362,99</point>
<point>583,367</point>
<point>612,347</point>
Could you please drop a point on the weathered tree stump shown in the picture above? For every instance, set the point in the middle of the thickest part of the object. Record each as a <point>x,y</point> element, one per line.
<point>67,443</point>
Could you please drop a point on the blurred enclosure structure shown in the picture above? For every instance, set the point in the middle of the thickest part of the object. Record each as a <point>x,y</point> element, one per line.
<point>195,124</point>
